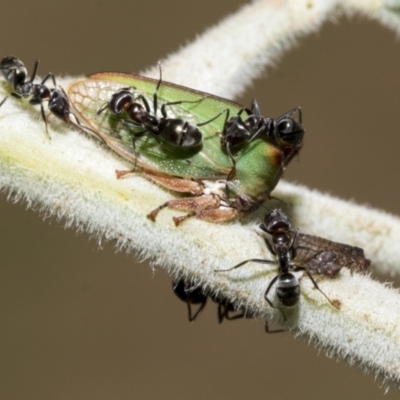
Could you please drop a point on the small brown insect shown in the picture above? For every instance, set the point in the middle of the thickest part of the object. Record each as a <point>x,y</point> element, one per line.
<point>326,257</point>
<point>319,255</point>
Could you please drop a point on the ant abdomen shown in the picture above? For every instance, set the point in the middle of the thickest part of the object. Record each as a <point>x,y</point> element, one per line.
<point>288,290</point>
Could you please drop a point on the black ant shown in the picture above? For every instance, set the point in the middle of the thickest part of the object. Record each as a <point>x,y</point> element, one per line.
<point>196,295</point>
<point>175,132</point>
<point>323,256</point>
<point>285,132</point>
<point>15,73</point>
<point>226,310</point>
<point>283,247</point>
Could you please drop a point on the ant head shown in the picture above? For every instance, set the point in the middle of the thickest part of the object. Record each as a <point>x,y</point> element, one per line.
<point>120,100</point>
<point>276,220</point>
<point>13,70</point>
<point>288,132</point>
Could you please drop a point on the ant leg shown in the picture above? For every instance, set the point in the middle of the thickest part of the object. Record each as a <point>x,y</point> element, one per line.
<point>269,301</point>
<point>49,75</point>
<point>199,310</point>
<point>130,123</point>
<point>300,115</point>
<point>237,316</point>
<point>101,109</point>
<point>291,112</point>
<point>35,68</point>
<point>256,260</point>
<point>145,102</point>
<point>135,136</point>
<point>255,109</point>
<point>232,172</point>
<point>286,159</point>
<point>270,248</point>
<point>16,95</point>
<point>292,246</point>
<point>190,296</point>
<point>44,119</point>
<point>278,199</point>
<point>224,310</point>
<point>228,150</point>
<point>160,79</point>
<point>248,111</point>
<point>256,134</point>
<point>267,330</point>
<point>217,116</point>
<point>135,125</point>
<point>4,100</point>
<point>155,96</point>
<point>174,103</point>
<point>315,284</point>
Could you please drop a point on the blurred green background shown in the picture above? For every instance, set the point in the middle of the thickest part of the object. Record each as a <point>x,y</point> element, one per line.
<point>81,322</point>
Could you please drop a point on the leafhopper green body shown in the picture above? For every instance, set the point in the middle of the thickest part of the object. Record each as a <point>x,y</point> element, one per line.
<point>201,171</point>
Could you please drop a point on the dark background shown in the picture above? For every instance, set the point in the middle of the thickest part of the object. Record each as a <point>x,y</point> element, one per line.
<point>79,322</point>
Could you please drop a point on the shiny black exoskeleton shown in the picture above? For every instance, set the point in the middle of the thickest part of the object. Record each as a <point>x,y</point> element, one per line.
<point>283,246</point>
<point>15,73</point>
<point>193,296</point>
<point>175,132</point>
<point>285,132</point>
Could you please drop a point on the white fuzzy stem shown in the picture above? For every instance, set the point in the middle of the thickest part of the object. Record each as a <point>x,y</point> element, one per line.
<point>230,55</point>
<point>72,177</point>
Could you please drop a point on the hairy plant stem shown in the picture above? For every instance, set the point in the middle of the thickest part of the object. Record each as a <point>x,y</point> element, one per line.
<point>72,178</point>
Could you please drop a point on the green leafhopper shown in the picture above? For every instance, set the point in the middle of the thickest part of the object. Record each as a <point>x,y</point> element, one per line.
<point>202,170</point>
